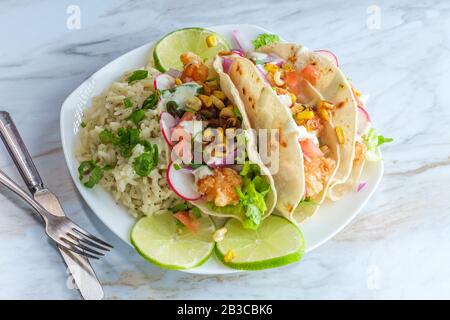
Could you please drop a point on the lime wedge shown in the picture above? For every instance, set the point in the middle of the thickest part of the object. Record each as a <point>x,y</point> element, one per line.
<point>161,241</point>
<point>167,51</point>
<point>277,242</point>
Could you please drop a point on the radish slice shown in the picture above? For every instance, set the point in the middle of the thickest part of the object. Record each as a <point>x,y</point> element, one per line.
<point>167,122</point>
<point>164,81</point>
<point>182,183</point>
<point>363,121</point>
<point>329,55</point>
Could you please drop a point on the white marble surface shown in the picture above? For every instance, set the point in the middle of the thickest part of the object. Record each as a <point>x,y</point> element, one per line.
<point>398,247</point>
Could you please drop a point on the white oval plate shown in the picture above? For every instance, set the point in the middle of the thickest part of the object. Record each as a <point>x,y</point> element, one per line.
<point>327,222</point>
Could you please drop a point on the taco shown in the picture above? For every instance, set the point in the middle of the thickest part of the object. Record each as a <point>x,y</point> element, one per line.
<point>284,86</point>
<point>215,164</point>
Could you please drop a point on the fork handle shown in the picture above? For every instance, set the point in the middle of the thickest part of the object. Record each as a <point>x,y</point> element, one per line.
<point>19,153</point>
<point>11,185</point>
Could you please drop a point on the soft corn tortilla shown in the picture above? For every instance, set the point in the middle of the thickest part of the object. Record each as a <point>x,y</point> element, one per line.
<point>265,111</point>
<point>335,88</point>
<point>271,199</point>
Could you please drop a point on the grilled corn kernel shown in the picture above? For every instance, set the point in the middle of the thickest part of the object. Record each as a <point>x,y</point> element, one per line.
<point>230,255</point>
<point>211,41</point>
<point>326,105</point>
<point>217,102</point>
<point>220,150</point>
<point>207,102</point>
<point>293,97</point>
<point>297,108</point>
<point>304,115</point>
<point>208,134</point>
<point>226,112</point>
<point>219,234</point>
<point>219,94</point>
<point>323,113</point>
<point>277,78</point>
<point>178,81</point>
<point>340,135</point>
<point>194,103</point>
<point>270,67</point>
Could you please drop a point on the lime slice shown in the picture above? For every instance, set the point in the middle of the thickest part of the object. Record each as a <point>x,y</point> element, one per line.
<point>277,242</point>
<point>160,240</point>
<point>167,51</point>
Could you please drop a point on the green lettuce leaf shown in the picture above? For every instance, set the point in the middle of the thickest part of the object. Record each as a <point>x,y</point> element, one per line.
<point>264,39</point>
<point>372,142</point>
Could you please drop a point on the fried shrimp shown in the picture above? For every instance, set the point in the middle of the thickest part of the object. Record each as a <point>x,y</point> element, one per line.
<point>220,187</point>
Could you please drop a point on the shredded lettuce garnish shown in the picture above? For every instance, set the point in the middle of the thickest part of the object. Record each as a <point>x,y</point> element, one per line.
<point>252,195</point>
<point>252,203</point>
<point>372,142</point>
<point>265,39</point>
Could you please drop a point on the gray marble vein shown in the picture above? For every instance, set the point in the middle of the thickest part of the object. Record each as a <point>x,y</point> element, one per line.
<point>398,247</point>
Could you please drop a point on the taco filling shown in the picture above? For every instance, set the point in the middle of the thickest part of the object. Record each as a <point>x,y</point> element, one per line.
<point>311,115</point>
<point>204,129</point>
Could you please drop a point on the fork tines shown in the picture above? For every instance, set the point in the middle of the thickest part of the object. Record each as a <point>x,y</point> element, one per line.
<point>83,243</point>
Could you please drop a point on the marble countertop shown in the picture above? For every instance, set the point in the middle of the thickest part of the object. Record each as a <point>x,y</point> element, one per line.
<point>398,51</point>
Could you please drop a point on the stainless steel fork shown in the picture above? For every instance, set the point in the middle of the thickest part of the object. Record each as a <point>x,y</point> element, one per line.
<point>61,229</point>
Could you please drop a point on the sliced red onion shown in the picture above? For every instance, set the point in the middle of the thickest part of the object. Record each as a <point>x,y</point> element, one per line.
<point>361,186</point>
<point>226,64</point>
<point>329,55</point>
<point>278,61</point>
<point>174,73</point>
<point>262,73</point>
<point>241,45</point>
<point>238,52</point>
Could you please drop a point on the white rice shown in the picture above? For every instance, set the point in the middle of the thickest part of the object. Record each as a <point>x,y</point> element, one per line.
<point>139,195</point>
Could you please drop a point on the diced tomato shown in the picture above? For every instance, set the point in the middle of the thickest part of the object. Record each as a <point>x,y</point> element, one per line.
<point>187,220</point>
<point>297,83</point>
<point>310,73</point>
<point>310,149</point>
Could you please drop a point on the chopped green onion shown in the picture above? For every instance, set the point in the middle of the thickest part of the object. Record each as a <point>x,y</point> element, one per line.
<point>146,162</point>
<point>90,173</point>
<point>128,139</point>
<point>138,75</point>
<point>197,213</point>
<point>179,207</point>
<point>152,101</point>
<point>83,124</point>
<point>106,137</point>
<point>137,116</point>
<point>127,103</point>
